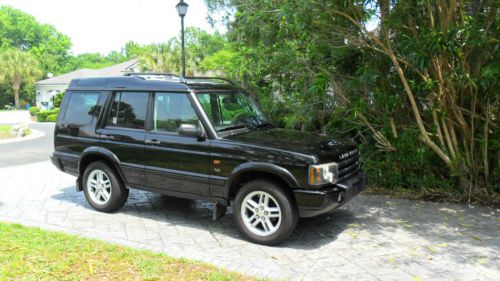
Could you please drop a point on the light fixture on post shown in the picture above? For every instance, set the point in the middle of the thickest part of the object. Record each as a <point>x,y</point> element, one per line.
<point>182,10</point>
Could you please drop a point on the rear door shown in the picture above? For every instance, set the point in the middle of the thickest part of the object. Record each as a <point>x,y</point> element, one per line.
<point>124,133</point>
<point>174,162</point>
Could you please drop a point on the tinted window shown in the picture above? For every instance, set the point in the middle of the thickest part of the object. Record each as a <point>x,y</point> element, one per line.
<point>129,110</point>
<point>81,108</point>
<point>172,110</point>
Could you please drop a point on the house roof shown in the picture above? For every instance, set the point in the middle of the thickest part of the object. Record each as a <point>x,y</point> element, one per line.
<point>114,70</point>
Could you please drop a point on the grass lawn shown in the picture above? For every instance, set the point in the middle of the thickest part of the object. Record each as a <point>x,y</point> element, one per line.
<point>5,132</point>
<point>29,253</point>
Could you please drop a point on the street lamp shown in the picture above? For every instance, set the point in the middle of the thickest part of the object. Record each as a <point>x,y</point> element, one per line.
<point>182,10</point>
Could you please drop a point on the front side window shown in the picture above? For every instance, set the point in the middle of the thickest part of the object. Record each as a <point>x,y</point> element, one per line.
<point>129,110</point>
<point>81,108</point>
<point>231,109</point>
<point>171,110</point>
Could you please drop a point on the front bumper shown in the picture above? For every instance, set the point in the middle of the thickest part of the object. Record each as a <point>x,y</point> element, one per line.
<point>316,202</point>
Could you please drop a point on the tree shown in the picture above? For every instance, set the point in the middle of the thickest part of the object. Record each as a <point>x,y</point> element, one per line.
<point>16,68</point>
<point>22,31</point>
<point>163,58</point>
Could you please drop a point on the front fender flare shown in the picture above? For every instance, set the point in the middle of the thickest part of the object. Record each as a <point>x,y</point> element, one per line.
<point>269,168</point>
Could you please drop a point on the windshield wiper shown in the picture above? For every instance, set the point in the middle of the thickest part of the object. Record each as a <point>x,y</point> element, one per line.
<point>265,124</point>
<point>236,127</point>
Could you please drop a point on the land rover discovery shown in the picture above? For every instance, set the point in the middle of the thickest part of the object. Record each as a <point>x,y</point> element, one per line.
<point>199,138</point>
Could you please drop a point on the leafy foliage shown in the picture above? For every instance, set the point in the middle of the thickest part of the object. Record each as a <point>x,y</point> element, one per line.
<point>34,110</point>
<point>21,31</point>
<point>420,91</point>
<point>48,115</point>
<point>17,67</point>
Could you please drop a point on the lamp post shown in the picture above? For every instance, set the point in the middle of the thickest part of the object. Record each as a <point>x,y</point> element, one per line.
<point>182,10</point>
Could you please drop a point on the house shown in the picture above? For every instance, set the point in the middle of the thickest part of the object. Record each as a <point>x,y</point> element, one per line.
<point>46,89</point>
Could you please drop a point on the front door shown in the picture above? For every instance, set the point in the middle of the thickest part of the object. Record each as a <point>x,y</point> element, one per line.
<point>124,133</point>
<point>174,162</point>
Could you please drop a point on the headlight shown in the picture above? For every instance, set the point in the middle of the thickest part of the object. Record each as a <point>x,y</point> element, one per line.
<point>324,173</point>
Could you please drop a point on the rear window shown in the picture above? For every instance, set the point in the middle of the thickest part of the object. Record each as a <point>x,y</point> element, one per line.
<point>129,110</point>
<point>82,107</point>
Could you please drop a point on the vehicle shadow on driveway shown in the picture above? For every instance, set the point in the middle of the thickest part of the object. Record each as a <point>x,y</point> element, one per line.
<point>311,233</point>
<point>369,225</point>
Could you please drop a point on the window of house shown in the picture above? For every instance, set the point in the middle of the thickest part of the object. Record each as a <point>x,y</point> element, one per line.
<point>129,110</point>
<point>82,107</point>
<point>171,110</point>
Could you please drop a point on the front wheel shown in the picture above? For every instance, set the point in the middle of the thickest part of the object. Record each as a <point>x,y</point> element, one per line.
<point>265,213</point>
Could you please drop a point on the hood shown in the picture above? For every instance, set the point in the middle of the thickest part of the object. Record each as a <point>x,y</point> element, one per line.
<point>326,148</point>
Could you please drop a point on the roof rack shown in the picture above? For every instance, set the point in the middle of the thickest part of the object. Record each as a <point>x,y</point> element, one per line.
<point>157,76</point>
<point>170,76</point>
<point>211,78</point>
<point>151,73</point>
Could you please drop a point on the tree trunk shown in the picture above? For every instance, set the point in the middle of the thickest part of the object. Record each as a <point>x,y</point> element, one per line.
<point>15,89</point>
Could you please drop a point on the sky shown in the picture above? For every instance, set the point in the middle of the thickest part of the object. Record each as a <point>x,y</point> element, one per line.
<point>106,25</point>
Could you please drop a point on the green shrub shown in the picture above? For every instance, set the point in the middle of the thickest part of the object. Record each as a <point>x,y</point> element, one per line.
<point>34,110</point>
<point>58,99</point>
<point>413,166</point>
<point>42,116</point>
<point>51,118</point>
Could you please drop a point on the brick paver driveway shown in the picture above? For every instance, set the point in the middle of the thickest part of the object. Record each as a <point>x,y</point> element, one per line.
<point>371,238</point>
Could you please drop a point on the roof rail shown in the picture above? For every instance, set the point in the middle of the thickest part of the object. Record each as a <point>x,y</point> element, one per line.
<point>151,75</point>
<point>211,78</point>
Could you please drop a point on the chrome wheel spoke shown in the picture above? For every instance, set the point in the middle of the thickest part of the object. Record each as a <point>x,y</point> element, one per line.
<point>105,195</point>
<point>269,224</point>
<point>266,226</point>
<point>93,183</point>
<point>274,212</point>
<point>255,222</point>
<point>262,199</point>
<point>251,205</point>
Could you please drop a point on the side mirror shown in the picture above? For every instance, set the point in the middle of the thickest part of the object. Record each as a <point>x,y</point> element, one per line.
<point>190,130</point>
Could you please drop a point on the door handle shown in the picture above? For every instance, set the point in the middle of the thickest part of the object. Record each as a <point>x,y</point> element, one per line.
<point>152,142</point>
<point>109,137</point>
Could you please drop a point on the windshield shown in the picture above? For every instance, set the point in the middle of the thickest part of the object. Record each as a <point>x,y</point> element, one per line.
<point>227,110</point>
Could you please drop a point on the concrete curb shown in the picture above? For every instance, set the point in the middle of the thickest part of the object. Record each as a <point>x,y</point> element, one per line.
<point>35,134</point>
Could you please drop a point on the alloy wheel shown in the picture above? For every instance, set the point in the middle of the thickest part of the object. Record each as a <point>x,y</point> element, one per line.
<point>261,213</point>
<point>99,187</point>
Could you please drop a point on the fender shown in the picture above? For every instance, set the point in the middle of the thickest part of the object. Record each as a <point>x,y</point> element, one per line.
<point>98,151</point>
<point>260,167</point>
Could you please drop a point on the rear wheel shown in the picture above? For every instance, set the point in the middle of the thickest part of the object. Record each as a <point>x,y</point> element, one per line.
<point>265,213</point>
<point>103,189</point>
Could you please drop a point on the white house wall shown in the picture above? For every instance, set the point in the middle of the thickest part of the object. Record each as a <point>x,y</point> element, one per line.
<point>44,94</point>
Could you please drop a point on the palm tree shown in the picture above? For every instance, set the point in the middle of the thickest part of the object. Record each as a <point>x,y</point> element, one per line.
<point>165,58</point>
<point>18,67</point>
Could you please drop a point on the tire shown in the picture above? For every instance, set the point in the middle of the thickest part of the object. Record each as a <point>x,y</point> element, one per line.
<point>280,222</point>
<point>110,185</point>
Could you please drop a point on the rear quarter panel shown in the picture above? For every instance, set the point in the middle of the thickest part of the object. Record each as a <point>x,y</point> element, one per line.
<point>70,139</point>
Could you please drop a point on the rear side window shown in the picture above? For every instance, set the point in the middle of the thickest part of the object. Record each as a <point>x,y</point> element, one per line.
<point>128,110</point>
<point>81,108</point>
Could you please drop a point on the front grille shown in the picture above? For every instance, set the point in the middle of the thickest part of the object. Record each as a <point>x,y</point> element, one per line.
<point>349,164</point>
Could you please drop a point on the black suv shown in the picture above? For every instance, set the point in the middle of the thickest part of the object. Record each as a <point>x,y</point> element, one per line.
<point>199,138</point>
